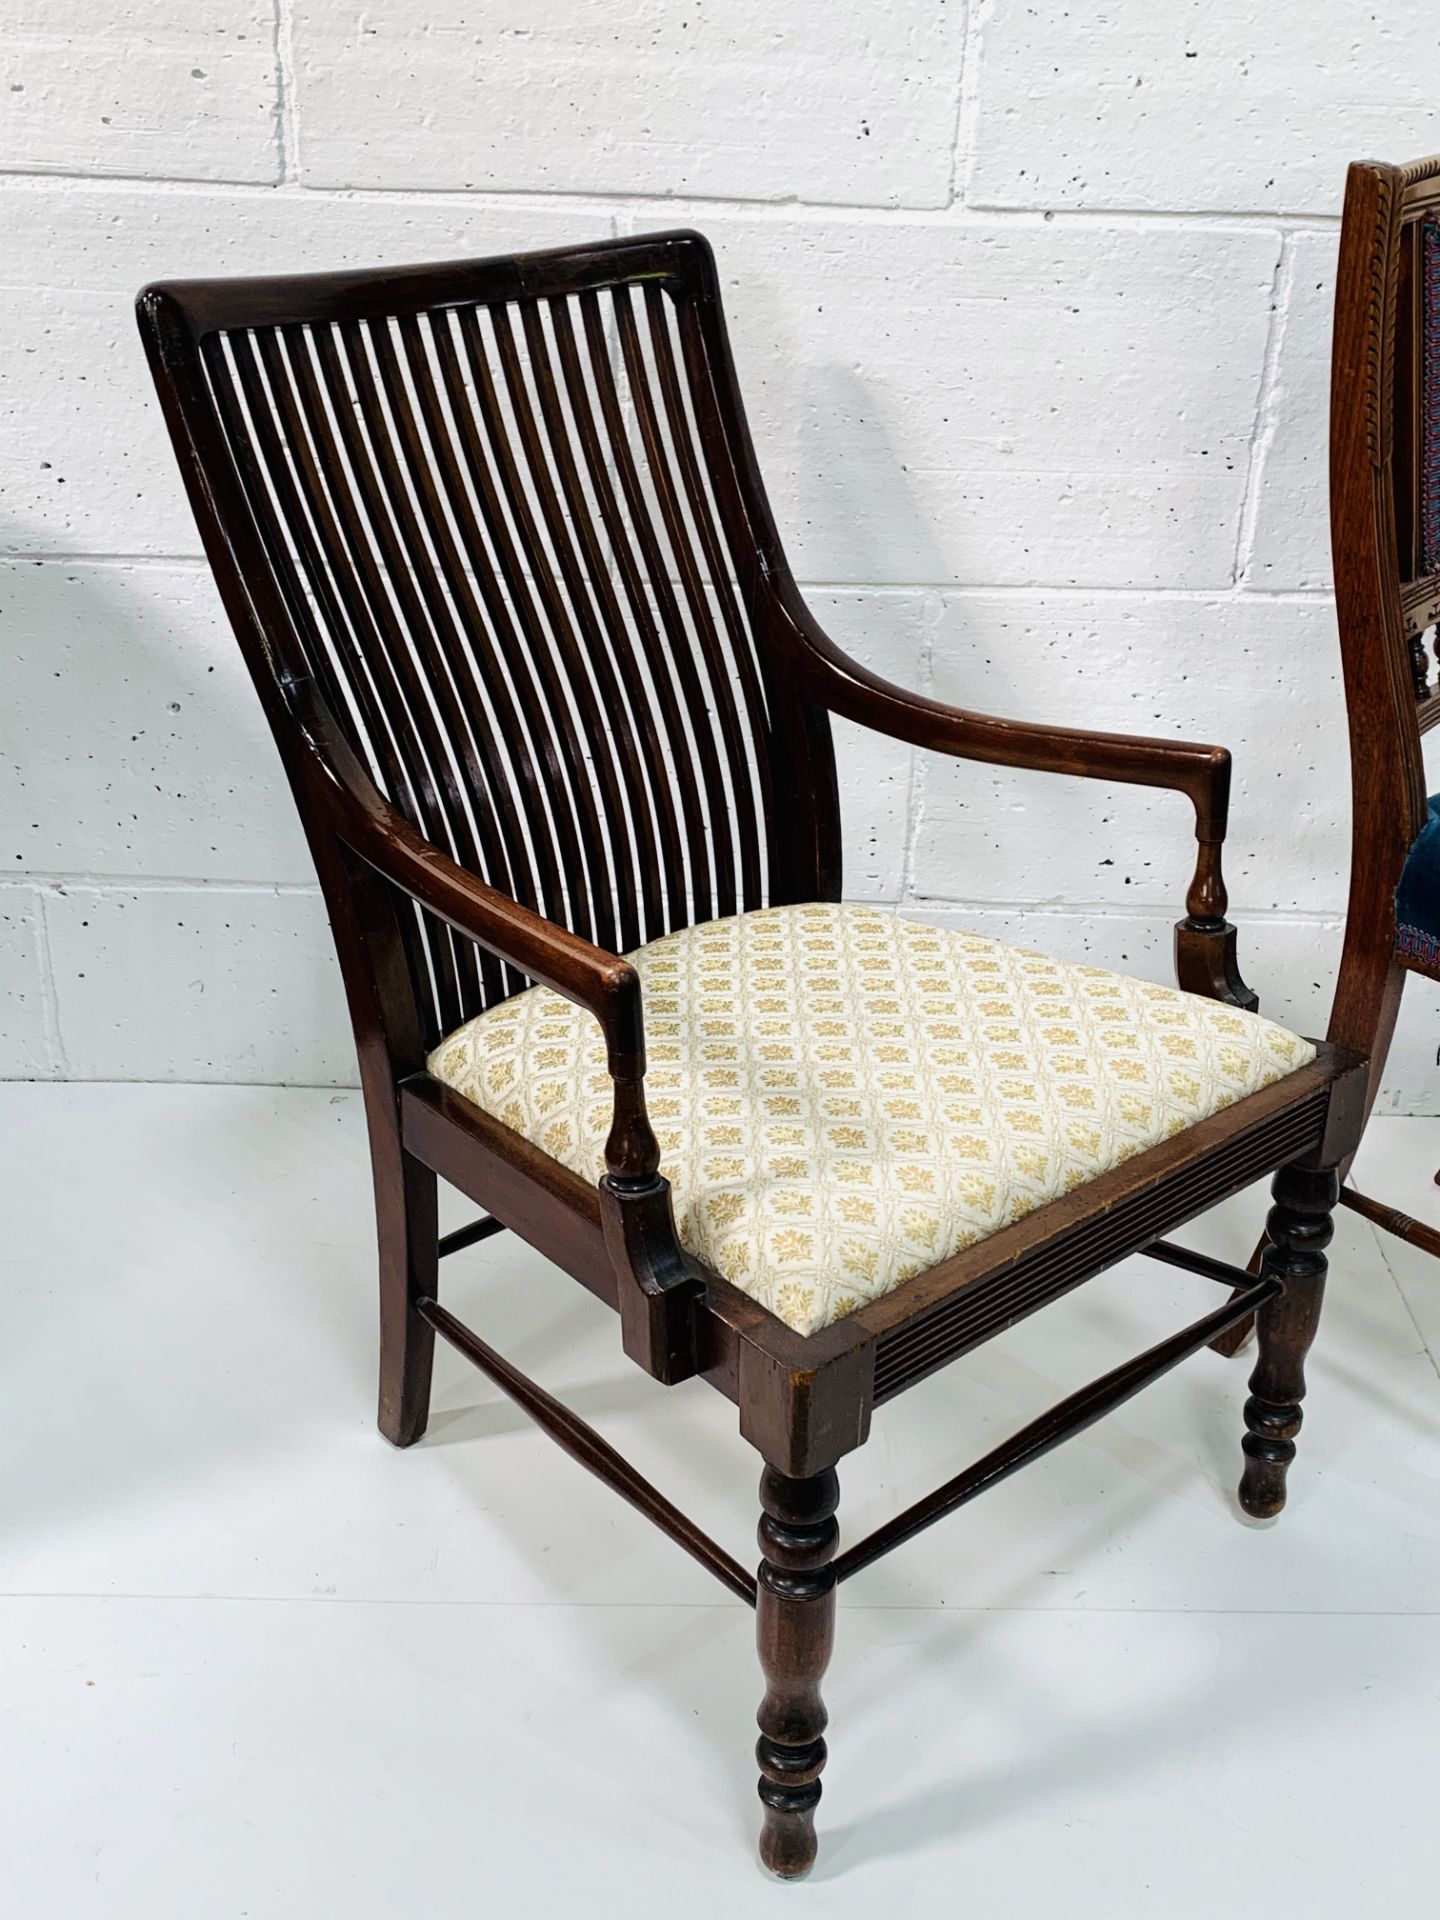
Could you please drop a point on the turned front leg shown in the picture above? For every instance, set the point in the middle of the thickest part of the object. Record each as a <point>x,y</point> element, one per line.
<point>795,1630</point>
<point>1298,1229</point>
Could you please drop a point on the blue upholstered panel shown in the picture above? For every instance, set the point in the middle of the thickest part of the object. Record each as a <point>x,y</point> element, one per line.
<point>1417,898</point>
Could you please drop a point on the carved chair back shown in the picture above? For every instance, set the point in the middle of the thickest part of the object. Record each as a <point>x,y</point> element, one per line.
<point>1385,529</point>
<point>512,547</point>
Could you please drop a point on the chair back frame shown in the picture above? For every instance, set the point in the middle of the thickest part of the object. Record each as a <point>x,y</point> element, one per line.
<point>539,550</point>
<point>1384,491</point>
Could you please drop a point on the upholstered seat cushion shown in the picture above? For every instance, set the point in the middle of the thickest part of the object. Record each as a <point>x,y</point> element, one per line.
<point>844,1098</point>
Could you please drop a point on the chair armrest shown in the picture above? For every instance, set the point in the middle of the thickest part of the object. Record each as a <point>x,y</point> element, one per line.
<point>1204,940</point>
<point>379,835</point>
<point>600,982</point>
<point>1201,772</point>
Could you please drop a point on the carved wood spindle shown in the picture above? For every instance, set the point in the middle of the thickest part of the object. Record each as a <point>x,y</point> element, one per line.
<point>1205,941</point>
<point>795,1630</point>
<point>1298,1229</point>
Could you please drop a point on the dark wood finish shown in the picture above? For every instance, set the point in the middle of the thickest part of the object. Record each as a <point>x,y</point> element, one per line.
<point>409,1242</point>
<point>1056,1249</point>
<point>658,1285</point>
<point>1299,1228</point>
<point>495,546</point>
<point>1383,598</point>
<point>543,1202</point>
<point>795,1633</point>
<point>1374,437</point>
<point>1414,1232</point>
<point>470,1236</point>
<point>1383,606</point>
<point>1202,1263</point>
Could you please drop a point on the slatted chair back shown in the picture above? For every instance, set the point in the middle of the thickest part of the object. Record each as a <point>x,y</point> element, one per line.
<point>1385,527</point>
<point>504,520</point>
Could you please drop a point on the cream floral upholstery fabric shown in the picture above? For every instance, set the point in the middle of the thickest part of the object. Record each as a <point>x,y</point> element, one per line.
<point>844,1098</point>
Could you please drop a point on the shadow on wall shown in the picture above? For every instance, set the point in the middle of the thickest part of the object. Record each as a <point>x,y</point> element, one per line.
<point>999,840</point>
<point>999,650</point>
<point>143,799</point>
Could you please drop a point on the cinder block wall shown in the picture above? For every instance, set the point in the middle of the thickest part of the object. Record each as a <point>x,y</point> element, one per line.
<point>1031,307</point>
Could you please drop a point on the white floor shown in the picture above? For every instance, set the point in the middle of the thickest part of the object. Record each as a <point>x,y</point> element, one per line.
<point>256,1663</point>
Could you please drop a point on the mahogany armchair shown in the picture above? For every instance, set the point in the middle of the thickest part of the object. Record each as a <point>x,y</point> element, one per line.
<point>494,544</point>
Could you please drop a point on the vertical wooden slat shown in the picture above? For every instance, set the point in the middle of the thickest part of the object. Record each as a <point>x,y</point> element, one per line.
<point>700,624</point>
<point>658,655</point>
<point>359,497</point>
<point>614,647</point>
<point>530,665</point>
<point>372,651</point>
<point>248,440</point>
<point>285,356</point>
<point>722,680</point>
<point>503,658</point>
<point>589,855</point>
<point>803,852</point>
<point>579,585</point>
<point>459,625</point>
<point>655,730</point>
<point>514,569</point>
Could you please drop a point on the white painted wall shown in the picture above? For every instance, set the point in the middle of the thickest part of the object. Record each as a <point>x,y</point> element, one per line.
<point>1030,304</point>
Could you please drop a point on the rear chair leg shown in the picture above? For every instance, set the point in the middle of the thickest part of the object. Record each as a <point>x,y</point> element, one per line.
<point>795,1630</point>
<point>1298,1228</point>
<point>407,1223</point>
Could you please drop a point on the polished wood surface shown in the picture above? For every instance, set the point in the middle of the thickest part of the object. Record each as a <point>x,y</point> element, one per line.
<point>1385,605</point>
<point>1374,438</point>
<point>795,1633</point>
<point>1298,1230</point>
<point>495,546</point>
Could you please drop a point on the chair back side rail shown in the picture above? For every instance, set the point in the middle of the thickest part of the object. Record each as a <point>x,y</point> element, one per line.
<point>1384,598</point>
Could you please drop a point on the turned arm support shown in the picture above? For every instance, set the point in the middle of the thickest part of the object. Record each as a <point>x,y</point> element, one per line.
<point>1204,940</point>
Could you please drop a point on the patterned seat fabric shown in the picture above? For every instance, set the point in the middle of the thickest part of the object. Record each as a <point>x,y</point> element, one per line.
<point>844,1098</point>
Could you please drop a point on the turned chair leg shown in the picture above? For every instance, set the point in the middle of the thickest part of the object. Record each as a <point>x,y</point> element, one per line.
<point>408,1229</point>
<point>1298,1229</point>
<point>795,1630</point>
